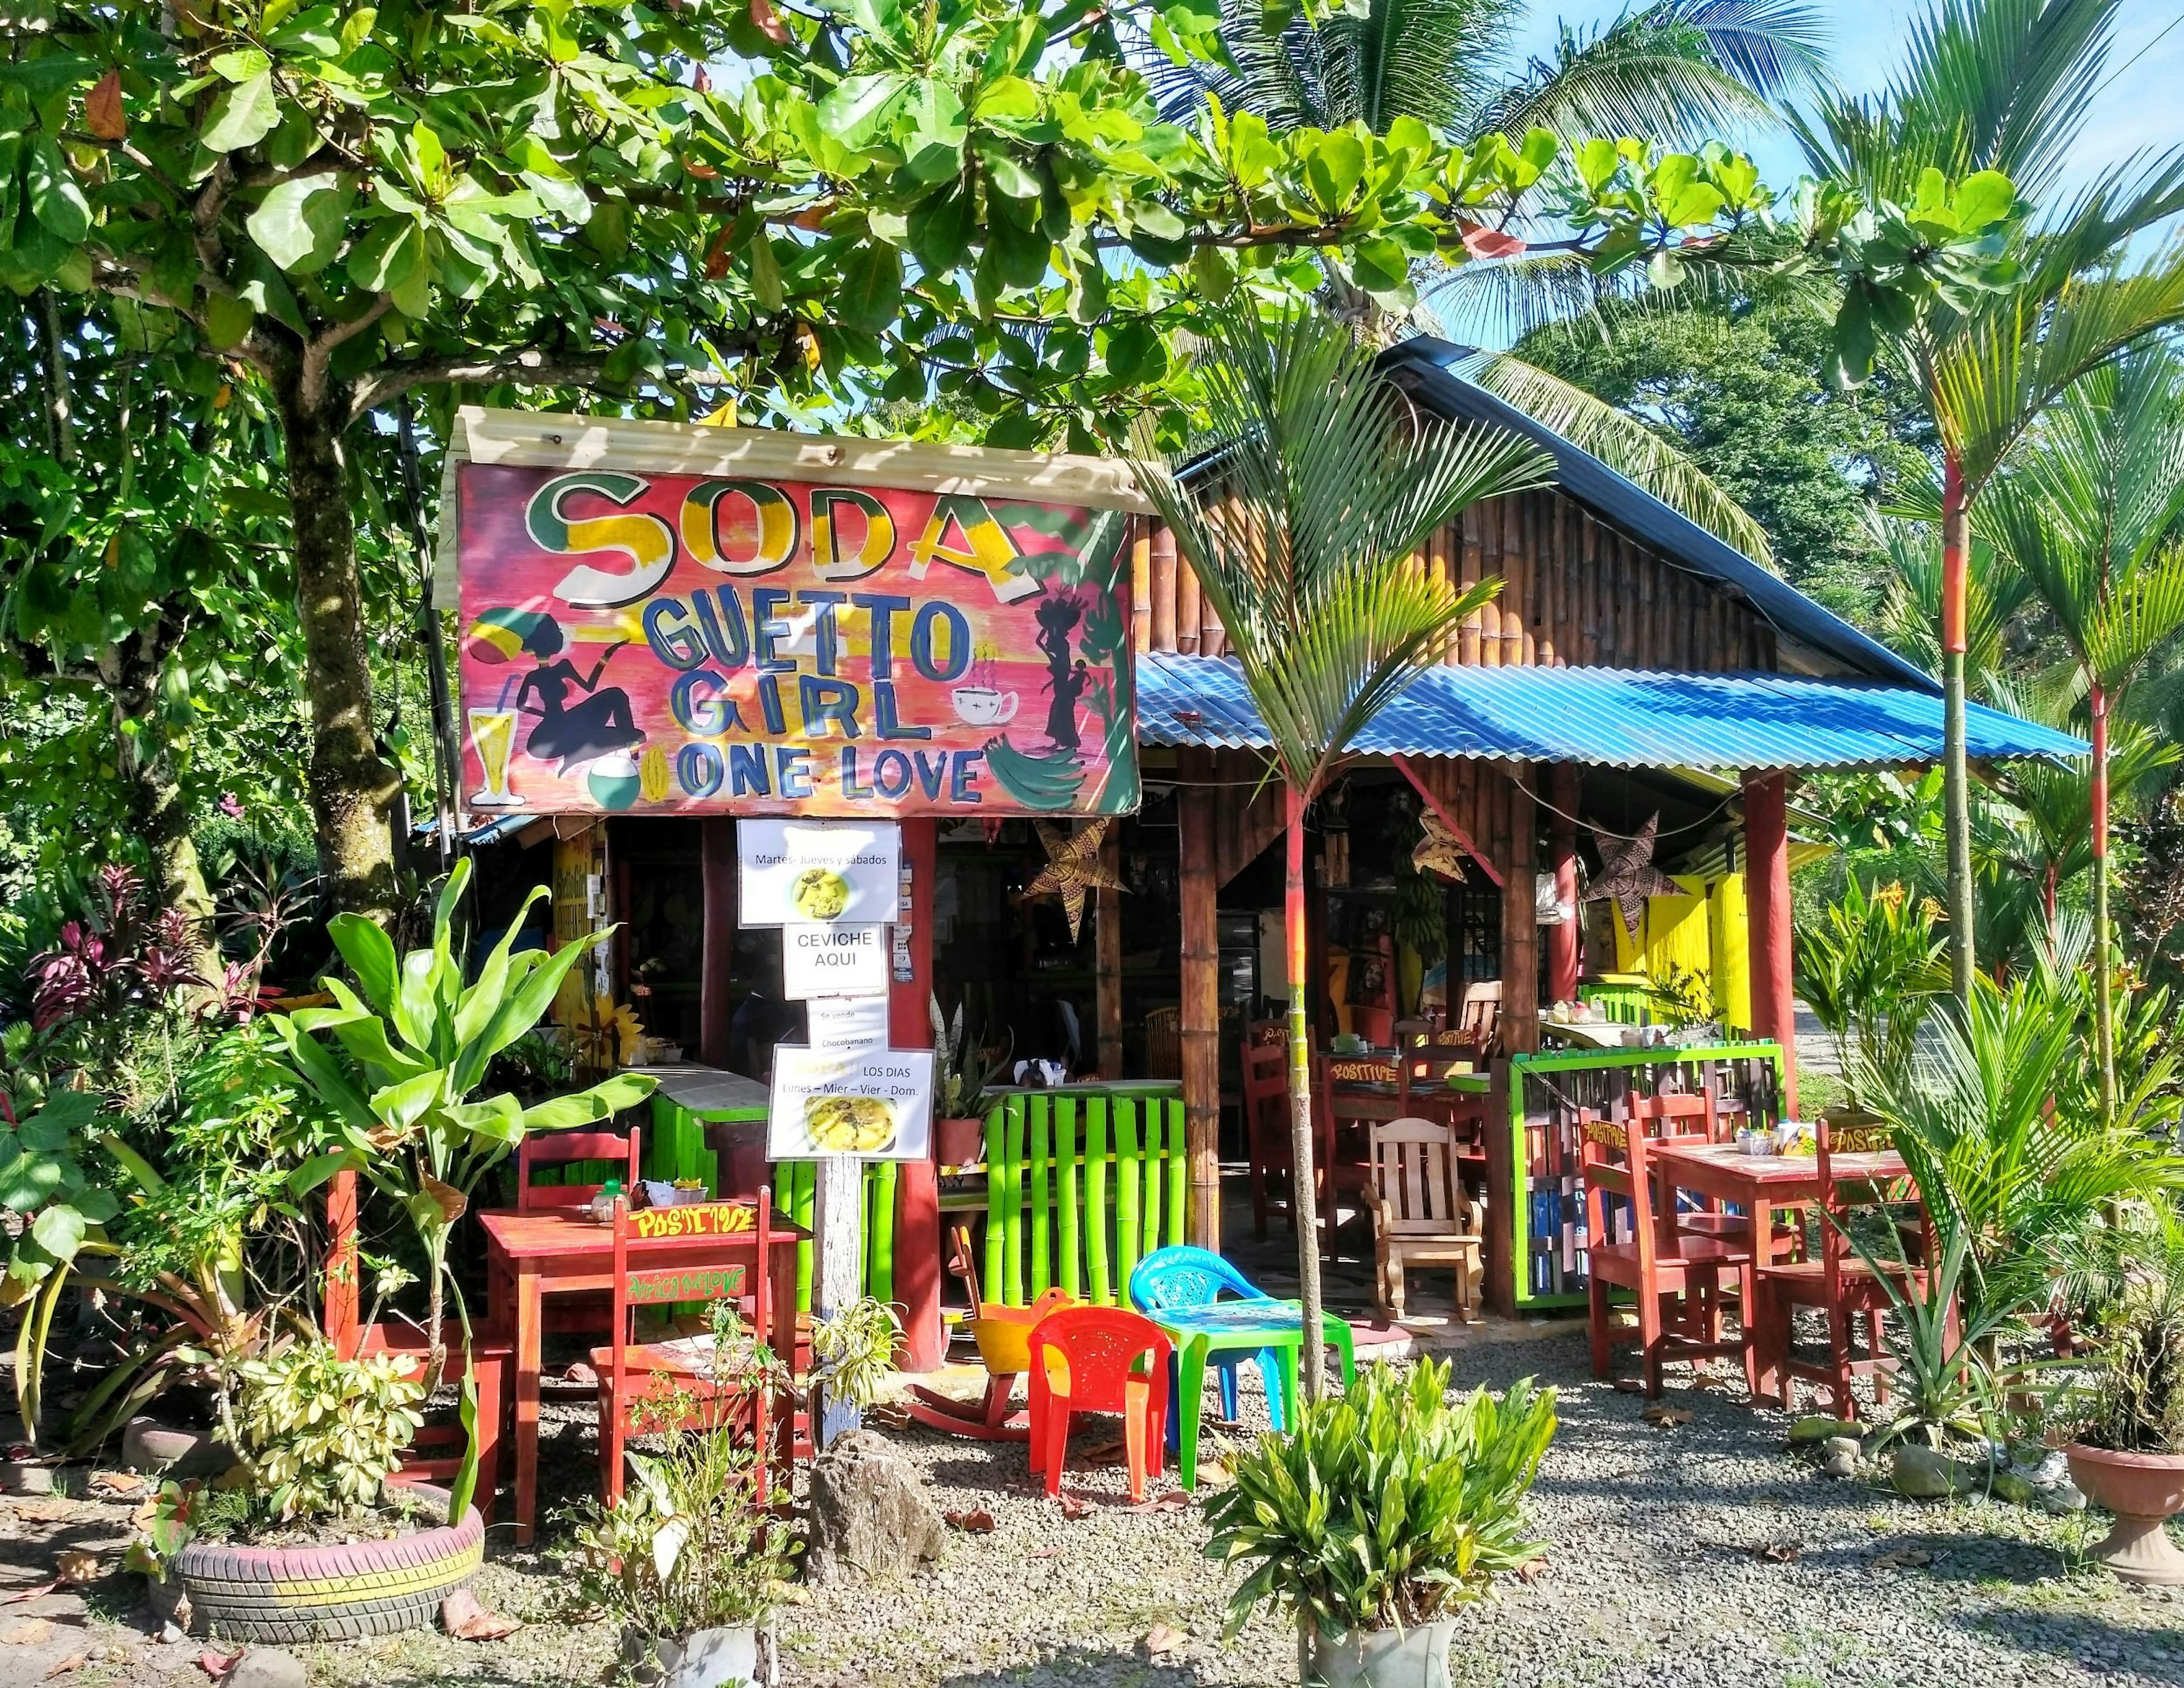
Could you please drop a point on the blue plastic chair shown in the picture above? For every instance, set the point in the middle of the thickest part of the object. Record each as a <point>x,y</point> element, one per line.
<point>1182,1276</point>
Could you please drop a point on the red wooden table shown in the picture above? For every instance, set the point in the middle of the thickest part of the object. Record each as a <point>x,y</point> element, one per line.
<point>532,1255</point>
<point>1762,1184</point>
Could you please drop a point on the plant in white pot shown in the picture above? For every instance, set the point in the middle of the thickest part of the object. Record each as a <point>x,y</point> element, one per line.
<point>685,1557</point>
<point>1382,1512</point>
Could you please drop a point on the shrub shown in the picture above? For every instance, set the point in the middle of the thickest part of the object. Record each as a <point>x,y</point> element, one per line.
<point>1385,1507</point>
<point>318,1433</point>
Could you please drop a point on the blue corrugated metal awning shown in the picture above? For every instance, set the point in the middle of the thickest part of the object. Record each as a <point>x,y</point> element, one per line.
<point>1615,717</point>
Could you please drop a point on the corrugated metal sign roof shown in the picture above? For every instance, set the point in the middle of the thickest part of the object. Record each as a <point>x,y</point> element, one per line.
<point>1613,716</point>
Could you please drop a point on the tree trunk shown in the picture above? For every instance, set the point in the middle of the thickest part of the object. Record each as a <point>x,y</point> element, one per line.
<point>1956,774</point>
<point>2103,967</point>
<point>131,672</point>
<point>353,789</point>
<point>1301,1176</point>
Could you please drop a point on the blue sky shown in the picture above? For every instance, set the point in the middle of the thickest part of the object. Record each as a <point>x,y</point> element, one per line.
<point>2141,108</point>
<point>2143,105</point>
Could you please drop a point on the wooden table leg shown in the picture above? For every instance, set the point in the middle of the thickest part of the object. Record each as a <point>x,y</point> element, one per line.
<point>529,1323</point>
<point>1758,1379</point>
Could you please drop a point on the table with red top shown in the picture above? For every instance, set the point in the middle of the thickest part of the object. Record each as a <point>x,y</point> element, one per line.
<point>531,1256</point>
<point>1762,1186</point>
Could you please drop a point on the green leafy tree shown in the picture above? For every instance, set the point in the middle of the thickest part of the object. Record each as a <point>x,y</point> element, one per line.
<point>1308,563</point>
<point>347,202</point>
<point>1674,72</point>
<point>1737,392</point>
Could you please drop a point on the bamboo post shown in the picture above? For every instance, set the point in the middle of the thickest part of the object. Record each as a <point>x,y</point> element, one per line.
<point>1129,1190</point>
<point>1108,951</point>
<point>1095,1200</point>
<point>1071,1275</point>
<point>1201,1019</point>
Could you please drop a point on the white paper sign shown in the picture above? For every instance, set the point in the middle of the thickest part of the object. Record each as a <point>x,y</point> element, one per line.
<point>827,872</point>
<point>833,960</point>
<point>870,1104</point>
<point>840,1021</point>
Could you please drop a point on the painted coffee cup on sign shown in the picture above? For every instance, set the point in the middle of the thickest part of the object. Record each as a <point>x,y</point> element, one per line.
<point>984,706</point>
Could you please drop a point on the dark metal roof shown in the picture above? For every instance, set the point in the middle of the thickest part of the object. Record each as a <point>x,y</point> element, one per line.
<point>1618,717</point>
<point>1426,367</point>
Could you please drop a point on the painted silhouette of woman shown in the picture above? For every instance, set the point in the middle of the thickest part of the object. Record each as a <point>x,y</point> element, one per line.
<point>1057,619</point>
<point>600,724</point>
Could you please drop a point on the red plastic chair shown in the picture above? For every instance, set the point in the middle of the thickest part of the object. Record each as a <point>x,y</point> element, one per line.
<point>1099,1359</point>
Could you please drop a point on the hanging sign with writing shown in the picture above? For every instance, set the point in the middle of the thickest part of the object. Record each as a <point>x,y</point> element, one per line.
<point>816,873</point>
<point>683,643</point>
<point>833,960</point>
<point>866,1102</point>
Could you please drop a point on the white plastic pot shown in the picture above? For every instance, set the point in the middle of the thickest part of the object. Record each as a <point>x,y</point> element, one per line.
<point>1414,1657</point>
<point>717,1658</point>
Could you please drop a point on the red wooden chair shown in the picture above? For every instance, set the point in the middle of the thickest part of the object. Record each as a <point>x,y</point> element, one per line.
<point>1099,1359</point>
<point>1422,1060</point>
<point>638,1380</point>
<point>1342,1149</point>
<point>1842,1282</point>
<point>1674,1276</point>
<point>1684,1111</point>
<point>1266,1068</point>
<point>583,1315</point>
<point>491,1355</point>
<point>564,1149</point>
<point>492,1361</point>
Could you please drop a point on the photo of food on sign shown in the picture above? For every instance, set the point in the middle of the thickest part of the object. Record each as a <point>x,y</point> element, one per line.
<point>678,643</point>
<point>870,1102</point>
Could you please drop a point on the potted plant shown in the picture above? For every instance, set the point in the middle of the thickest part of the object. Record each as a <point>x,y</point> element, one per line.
<point>961,1076</point>
<point>684,1556</point>
<point>2126,1423</point>
<point>310,1538</point>
<point>1380,1515</point>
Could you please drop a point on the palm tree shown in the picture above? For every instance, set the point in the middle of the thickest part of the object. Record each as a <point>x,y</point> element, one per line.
<point>1675,71</point>
<point>1333,485</point>
<point>2092,517</point>
<point>2007,85</point>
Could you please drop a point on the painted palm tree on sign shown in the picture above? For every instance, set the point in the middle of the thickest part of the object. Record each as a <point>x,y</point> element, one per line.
<point>2092,515</point>
<point>1676,71</point>
<point>2004,85</point>
<point>1330,484</point>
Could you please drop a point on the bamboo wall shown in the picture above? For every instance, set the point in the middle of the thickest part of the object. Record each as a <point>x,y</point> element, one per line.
<point>1576,592</point>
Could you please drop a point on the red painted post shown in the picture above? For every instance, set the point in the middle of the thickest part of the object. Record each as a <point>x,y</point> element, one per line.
<point>1767,899</point>
<point>340,1308</point>
<point>917,1185</point>
<point>1562,857</point>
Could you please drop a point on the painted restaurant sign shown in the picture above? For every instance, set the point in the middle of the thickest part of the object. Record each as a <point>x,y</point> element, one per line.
<point>775,643</point>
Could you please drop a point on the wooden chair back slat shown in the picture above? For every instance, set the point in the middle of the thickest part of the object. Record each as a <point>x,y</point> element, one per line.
<point>1413,1168</point>
<point>569,1147</point>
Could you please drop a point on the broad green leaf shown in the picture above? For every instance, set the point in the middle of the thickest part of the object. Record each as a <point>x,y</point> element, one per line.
<point>765,273</point>
<point>50,191</point>
<point>243,116</point>
<point>59,1231</point>
<point>871,295</point>
<point>404,1103</point>
<point>857,106</point>
<point>227,319</point>
<point>300,223</point>
<point>370,956</point>
<point>1983,199</point>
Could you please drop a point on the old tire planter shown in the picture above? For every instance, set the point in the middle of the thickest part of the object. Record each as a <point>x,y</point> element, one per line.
<point>330,1594</point>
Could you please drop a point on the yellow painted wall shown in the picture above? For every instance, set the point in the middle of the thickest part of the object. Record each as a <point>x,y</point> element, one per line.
<point>1702,931</point>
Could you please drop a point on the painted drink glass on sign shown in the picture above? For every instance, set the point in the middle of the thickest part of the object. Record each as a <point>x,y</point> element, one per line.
<point>671,644</point>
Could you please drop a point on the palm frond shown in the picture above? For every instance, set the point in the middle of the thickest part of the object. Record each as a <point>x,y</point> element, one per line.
<point>1911,600</point>
<point>1627,445</point>
<point>1328,486</point>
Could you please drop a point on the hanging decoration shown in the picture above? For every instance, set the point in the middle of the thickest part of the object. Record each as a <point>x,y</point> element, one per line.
<point>1438,850</point>
<point>1627,874</point>
<point>1074,869</point>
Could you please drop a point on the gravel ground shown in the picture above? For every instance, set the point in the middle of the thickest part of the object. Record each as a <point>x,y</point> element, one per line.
<point>1669,1561</point>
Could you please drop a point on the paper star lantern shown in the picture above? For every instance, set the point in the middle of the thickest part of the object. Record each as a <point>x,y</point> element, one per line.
<point>1072,869</point>
<point>1627,874</point>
